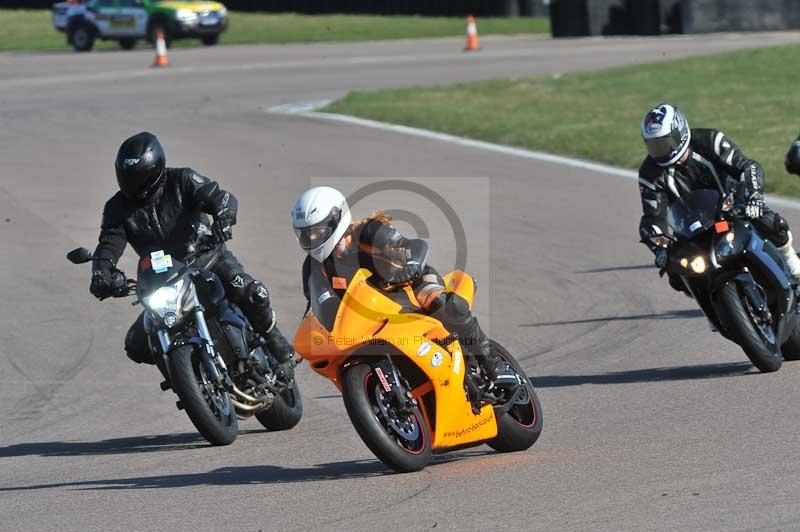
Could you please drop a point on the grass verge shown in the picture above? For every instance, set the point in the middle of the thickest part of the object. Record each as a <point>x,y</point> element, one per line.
<point>751,95</point>
<point>33,29</point>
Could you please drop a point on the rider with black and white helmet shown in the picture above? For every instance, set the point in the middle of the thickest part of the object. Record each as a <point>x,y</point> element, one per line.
<point>338,246</point>
<point>681,159</point>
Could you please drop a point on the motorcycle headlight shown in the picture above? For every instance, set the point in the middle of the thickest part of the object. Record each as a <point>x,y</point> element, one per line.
<point>724,245</point>
<point>165,300</point>
<point>698,264</point>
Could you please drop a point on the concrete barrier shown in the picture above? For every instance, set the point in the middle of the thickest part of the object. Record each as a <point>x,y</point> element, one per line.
<point>702,16</point>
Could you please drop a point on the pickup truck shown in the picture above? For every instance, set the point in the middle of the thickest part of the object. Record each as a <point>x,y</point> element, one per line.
<point>127,21</point>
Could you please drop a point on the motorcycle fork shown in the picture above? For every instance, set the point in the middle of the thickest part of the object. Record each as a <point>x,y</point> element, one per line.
<point>212,359</point>
<point>392,385</point>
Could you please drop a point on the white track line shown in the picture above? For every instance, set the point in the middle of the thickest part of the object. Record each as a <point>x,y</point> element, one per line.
<point>311,110</point>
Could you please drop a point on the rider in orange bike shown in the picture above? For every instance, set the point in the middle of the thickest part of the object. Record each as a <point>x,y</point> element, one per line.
<point>339,247</point>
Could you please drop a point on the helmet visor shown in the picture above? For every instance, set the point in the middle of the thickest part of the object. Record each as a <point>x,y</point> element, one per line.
<point>317,234</point>
<point>664,149</point>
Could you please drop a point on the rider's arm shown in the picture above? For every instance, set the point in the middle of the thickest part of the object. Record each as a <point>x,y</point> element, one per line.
<point>655,202</point>
<point>405,258</point>
<point>208,196</point>
<point>113,238</point>
<point>737,165</point>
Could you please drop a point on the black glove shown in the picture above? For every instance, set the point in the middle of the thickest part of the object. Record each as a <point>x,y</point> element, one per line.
<point>755,206</point>
<point>661,258</point>
<point>101,286</point>
<point>223,222</point>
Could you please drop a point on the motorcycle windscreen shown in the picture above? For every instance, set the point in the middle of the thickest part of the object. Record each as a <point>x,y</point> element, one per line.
<point>692,214</point>
<point>325,301</point>
<point>148,280</point>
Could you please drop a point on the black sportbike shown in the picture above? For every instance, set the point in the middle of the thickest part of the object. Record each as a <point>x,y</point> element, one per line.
<point>205,348</point>
<point>738,278</point>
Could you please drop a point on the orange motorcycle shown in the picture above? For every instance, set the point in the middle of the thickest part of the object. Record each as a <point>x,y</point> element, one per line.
<point>404,379</point>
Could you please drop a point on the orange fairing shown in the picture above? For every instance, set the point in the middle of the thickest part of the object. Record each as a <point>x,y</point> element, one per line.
<point>367,320</point>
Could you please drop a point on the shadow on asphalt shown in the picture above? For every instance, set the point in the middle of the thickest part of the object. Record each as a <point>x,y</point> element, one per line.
<point>677,373</point>
<point>136,444</point>
<point>238,476</point>
<point>671,315</point>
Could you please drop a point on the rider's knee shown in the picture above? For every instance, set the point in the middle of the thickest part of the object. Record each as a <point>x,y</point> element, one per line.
<point>136,345</point>
<point>256,294</point>
<point>453,309</point>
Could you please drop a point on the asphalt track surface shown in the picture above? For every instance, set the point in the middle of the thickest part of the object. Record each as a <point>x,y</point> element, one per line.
<point>651,422</point>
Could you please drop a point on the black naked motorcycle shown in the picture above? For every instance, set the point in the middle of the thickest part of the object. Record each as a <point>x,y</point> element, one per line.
<point>204,346</point>
<point>738,278</point>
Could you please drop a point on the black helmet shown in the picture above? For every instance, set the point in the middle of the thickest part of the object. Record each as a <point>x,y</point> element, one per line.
<point>792,161</point>
<point>140,167</point>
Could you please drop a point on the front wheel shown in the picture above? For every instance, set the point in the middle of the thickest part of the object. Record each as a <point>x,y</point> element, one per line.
<point>791,348</point>
<point>757,339</point>
<point>285,412</point>
<point>206,403</point>
<point>81,36</point>
<point>210,40</point>
<point>399,439</point>
<point>521,425</point>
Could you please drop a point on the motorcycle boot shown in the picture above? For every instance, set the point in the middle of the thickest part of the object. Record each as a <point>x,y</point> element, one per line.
<point>791,258</point>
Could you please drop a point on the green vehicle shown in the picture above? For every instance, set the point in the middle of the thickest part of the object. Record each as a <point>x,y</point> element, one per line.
<point>128,21</point>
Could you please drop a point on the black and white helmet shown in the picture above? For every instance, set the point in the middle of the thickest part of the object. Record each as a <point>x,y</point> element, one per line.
<point>666,134</point>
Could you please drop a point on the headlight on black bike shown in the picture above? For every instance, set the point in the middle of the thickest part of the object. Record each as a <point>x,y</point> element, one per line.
<point>167,302</point>
<point>695,264</point>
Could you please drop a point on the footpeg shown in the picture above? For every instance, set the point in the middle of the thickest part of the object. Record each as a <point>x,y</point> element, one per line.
<point>165,385</point>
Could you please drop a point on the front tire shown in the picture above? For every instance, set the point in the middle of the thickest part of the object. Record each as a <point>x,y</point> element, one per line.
<point>406,451</point>
<point>285,412</point>
<point>209,407</point>
<point>210,40</point>
<point>743,327</point>
<point>81,36</point>
<point>520,427</point>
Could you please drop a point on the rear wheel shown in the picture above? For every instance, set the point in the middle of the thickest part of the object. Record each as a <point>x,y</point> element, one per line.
<point>756,337</point>
<point>207,404</point>
<point>519,427</point>
<point>399,440</point>
<point>285,412</point>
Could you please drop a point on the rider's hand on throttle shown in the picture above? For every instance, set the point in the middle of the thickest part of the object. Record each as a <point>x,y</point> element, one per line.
<point>755,206</point>
<point>101,284</point>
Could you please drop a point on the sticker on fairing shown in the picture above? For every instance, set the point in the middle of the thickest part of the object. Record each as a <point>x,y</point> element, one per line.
<point>324,296</point>
<point>695,226</point>
<point>424,349</point>
<point>160,262</point>
<point>437,359</point>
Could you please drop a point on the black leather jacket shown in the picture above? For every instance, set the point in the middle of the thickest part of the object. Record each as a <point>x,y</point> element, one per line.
<point>713,161</point>
<point>169,222</point>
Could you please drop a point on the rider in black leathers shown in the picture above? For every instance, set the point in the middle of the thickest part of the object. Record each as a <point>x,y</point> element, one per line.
<point>159,208</point>
<point>680,160</point>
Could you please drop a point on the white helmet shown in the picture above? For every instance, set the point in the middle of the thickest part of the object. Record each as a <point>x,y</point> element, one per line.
<point>320,218</point>
<point>666,134</point>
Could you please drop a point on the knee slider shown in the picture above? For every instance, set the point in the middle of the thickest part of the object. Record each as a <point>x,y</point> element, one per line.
<point>257,294</point>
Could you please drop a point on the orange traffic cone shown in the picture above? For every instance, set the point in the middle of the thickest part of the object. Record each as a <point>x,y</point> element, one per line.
<point>161,51</point>
<point>472,35</point>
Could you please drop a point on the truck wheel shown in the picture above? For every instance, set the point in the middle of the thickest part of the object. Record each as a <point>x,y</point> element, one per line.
<point>210,40</point>
<point>82,37</point>
<point>127,44</point>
